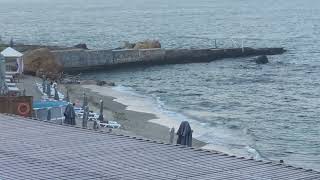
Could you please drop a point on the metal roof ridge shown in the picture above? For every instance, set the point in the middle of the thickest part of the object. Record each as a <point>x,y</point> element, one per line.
<point>167,144</point>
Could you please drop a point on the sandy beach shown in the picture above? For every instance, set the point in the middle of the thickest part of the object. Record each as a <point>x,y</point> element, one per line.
<point>135,123</point>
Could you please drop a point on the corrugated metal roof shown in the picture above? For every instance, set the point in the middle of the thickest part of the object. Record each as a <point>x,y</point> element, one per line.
<point>31,149</point>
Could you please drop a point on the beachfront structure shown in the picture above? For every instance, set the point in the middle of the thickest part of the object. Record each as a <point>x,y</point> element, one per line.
<point>3,86</point>
<point>32,149</point>
<point>14,60</point>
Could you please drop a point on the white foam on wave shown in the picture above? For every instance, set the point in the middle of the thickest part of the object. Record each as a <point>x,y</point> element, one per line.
<point>133,101</point>
<point>217,137</point>
<point>254,153</point>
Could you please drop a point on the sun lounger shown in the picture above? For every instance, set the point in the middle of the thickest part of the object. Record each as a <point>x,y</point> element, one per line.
<point>110,124</point>
<point>11,84</point>
<point>11,73</point>
<point>9,77</point>
<point>13,91</point>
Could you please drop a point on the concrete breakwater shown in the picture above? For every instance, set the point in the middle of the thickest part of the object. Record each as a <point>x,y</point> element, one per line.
<point>78,59</point>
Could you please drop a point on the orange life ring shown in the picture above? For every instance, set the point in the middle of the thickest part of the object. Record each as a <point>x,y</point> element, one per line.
<point>23,109</point>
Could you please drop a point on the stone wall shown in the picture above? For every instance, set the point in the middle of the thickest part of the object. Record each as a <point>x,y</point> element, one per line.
<point>76,59</point>
<point>86,59</point>
<point>125,56</point>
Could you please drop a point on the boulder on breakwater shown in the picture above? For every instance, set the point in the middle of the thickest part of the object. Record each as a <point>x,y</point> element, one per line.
<point>146,44</point>
<point>41,62</point>
<point>81,46</point>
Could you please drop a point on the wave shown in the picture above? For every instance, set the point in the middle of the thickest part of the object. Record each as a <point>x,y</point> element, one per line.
<point>229,138</point>
<point>254,153</point>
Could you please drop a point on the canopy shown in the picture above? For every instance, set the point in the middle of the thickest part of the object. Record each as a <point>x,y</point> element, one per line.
<point>10,52</point>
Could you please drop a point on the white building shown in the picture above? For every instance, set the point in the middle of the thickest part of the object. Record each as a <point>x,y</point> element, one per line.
<point>13,59</point>
<point>3,87</point>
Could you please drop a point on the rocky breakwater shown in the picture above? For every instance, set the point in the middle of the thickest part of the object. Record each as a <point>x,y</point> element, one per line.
<point>75,60</point>
<point>39,60</point>
<point>42,61</point>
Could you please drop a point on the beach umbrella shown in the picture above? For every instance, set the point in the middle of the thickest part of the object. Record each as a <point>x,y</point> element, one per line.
<point>67,96</point>
<point>3,86</point>
<point>66,114</point>
<point>56,95</point>
<point>95,125</point>
<point>101,119</point>
<point>49,90</point>
<point>49,114</point>
<point>171,135</point>
<point>43,86</point>
<point>85,117</point>
<point>70,115</point>
<point>85,100</point>
<point>184,134</point>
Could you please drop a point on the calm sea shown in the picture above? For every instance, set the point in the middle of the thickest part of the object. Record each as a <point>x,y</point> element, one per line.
<point>267,111</point>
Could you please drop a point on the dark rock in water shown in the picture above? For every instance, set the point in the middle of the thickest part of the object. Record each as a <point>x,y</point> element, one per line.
<point>262,59</point>
<point>111,84</point>
<point>81,46</point>
<point>102,83</point>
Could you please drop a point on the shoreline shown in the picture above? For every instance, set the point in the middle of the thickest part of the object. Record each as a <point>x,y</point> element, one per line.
<point>133,122</point>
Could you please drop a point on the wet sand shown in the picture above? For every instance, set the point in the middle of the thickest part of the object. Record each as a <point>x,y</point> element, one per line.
<point>133,123</point>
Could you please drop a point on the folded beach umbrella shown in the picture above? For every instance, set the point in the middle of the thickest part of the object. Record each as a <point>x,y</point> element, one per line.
<point>184,134</point>
<point>85,100</point>
<point>67,97</point>
<point>43,86</point>
<point>49,90</point>
<point>101,119</point>
<point>171,135</point>
<point>56,95</point>
<point>70,115</point>
<point>85,117</point>
<point>49,114</point>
